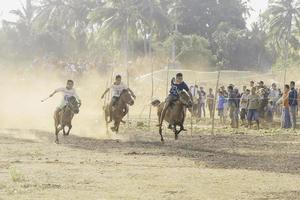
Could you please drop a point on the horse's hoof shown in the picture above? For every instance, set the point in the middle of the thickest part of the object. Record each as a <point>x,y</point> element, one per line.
<point>56,142</point>
<point>176,137</point>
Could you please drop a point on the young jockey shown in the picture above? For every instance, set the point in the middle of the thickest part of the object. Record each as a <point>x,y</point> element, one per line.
<point>177,85</point>
<point>68,92</point>
<point>117,88</point>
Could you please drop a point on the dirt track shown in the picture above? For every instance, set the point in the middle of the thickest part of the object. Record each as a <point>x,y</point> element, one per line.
<point>137,166</point>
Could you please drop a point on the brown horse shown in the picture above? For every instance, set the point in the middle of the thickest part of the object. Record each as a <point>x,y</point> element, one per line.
<point>175,114</point>
<point>119,110</point>
<point>65,116</point>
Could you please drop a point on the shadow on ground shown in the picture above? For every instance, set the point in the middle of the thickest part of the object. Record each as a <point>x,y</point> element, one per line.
<point>280,153</point>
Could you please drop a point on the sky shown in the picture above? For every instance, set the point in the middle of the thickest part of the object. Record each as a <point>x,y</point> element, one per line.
<point>6,5</point>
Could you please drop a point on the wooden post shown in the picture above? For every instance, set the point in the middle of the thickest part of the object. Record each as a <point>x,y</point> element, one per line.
<point>284,78</point>
<point>214,104</point>
<point>111,77</point>
<point>167,82</point>
<point>192,113</point>
<point>126,56</point>
<point>152,80</point>
<point>106,98</point>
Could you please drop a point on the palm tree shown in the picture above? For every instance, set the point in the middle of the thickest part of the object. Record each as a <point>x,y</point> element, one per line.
<point>116,17</point>
<point>283,18</point>
<point>24,24</point>
<point>130,18</point>
<point>65,17</point>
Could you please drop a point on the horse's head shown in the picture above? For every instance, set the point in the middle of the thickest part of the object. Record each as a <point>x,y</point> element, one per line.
<point>185,99</point>
<point>73,105</point>
<point>126,97</point>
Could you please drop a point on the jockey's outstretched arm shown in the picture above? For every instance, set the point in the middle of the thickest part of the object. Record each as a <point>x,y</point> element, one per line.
<point>131,92</point>
<point>53,93</point>
<point>106,91</point>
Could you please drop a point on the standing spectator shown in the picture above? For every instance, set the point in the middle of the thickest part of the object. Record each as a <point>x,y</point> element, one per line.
<point>194,90</point>
<point>243,105</point>
<point>285,117</point>
<point>221,102</point>
<point>232,105</point>
<point>253,105</point>
<point>202,100</point>
<point>298,102</point>
<point>237,106</point>
<point>244,90</point>
<point>274,93</point>
<point>261,85</point>
<point>269,111</point>
<point>252,84</point>
<point>225,94</point>
<point>274,96</point>
<point>293,103</point>
<point>210,102</point>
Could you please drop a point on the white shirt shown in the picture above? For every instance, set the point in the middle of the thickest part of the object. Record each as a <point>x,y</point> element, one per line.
<point>202,96</point>
<point>274,95</point>
<point>194,91</point>
<point>116,90</point>
<point>67,93</point>
<point>244,101</point>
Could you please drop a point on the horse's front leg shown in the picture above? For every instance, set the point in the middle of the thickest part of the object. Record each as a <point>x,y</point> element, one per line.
<point>115,128</point>
<point>64,131</point>
<point>69,130</point>
<point>180,130</point>
<point>176,132</point>
<point>57,130</point>
<point>161,136</point>
<point>117,125</point>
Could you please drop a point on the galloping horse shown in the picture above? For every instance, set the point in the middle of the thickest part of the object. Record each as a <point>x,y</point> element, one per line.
<point>119,110</point>
<point>175,114</point>
<point>65,116</point>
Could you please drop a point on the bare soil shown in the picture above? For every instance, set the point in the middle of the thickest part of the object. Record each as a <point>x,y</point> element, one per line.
<point>135,165</point>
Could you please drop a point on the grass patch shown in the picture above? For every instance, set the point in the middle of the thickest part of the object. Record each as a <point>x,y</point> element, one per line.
<point>15,175</point>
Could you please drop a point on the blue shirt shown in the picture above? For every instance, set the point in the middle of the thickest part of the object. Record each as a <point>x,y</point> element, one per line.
<point>293,97</point>
<point>221,102</point>
<point>175,88</point>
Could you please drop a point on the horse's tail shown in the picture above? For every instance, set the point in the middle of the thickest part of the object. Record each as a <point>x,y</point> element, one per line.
<point>155,103</point>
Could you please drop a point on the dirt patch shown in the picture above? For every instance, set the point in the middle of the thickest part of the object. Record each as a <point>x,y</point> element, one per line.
<point>138,166</point>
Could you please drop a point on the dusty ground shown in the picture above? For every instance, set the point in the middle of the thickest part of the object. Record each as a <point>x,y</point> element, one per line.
<point>137,166</point>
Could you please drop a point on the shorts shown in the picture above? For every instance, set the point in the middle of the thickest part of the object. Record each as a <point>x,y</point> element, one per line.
<point>210,107</point>
<point>253,115</point>
<point>243,113</point>
<point>114,100</point>
<point>62,104</point>
<point>221,112</point>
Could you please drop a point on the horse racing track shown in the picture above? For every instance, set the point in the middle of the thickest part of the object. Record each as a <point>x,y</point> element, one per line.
<point>138,166</point>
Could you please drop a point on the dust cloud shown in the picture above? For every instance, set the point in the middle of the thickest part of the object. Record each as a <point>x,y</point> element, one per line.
<point>22,92</point>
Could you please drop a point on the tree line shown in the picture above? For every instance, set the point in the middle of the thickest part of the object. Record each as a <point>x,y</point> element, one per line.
<point>199,33</point>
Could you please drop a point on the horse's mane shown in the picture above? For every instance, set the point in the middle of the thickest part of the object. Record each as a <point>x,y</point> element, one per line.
<point>123,91</point>
<point>185,92</point>
<point>72,99</point>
